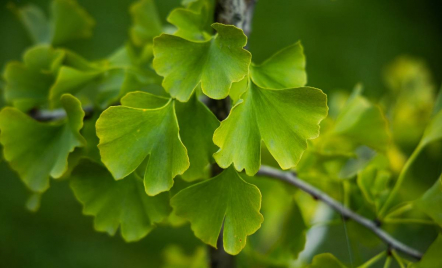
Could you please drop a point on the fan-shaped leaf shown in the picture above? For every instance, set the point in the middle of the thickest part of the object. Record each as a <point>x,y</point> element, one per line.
<point>128,135</point>
<point>193,23</point>
<point>69,21</point>
<point>38,150</point>
<point>284,69</point>
<point>117,203</point>
<point>146,22</point>
<point>227,199</point>
<point>216,63</point>
<point>28,83</point>
<point>283,119</point>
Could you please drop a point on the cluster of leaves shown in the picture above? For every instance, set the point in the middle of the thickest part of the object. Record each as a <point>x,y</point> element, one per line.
<point>123,129</point>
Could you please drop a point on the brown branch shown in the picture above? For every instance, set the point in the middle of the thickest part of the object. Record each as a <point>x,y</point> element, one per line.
<point>240,14</point>
<point>373,226</point>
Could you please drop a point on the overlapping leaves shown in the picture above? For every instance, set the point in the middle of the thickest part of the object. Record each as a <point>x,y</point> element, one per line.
<point>38,150</point>
<point>215,64</point>
<point>117,203</point>
<point>68,21</point>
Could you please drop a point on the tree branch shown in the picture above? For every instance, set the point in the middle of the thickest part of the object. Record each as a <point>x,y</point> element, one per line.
<point>240,14</point>
<point>289,177</point>
<point>51,115</point>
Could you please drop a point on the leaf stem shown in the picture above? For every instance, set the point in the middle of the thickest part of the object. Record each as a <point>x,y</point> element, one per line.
<point>398,259</point>
<point>373,260</point>
<point>399,181</point>
<point>387,262</point>
<point>289,177</point>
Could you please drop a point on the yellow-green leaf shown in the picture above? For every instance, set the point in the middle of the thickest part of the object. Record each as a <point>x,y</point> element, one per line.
<point>227,199</point>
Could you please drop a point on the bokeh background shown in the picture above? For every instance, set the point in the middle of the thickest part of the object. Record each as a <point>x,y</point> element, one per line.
<point>346,42</point>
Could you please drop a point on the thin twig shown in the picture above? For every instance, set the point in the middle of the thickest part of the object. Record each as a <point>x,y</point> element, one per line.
<point>56,114</point>
<point>346,212</point>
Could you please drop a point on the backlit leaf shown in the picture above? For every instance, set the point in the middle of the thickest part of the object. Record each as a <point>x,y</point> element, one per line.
<point>38,150</point>
<point>284,69</point>
<point>69,21</point>
<point>363,123</point>
<point>283,119</point>
<point>431,202</point>
<point>227,199</point>
<point>28,83</point>
<point>128,135</point>
<point>215,63</point>
<point>117,203</point>
<point>146,22</point>
<point>35,22</point>
<point>192,23</point>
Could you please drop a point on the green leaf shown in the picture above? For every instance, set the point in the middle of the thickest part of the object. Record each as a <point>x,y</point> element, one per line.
<point>70,80</point>
<point>117,203</point>
<point>69,21</point>
<point>216,63</point>
<point>176,257</point>
<point>283,119</point>
<point>374,184</point>
<point>35,22</point>
<point>432,258</point>
<point>227,199</point>
<point>363,123</point>
<point>38,150</point>
<point>197,124</point>
<point>284,69</point>
<point>192,23</point>
<point>129,133</point>
<point>28,83</point>
<point>431,202</point>
<point>146,22</point>
<point>326,260</point>
<point>432,134</point>
<point>282,235</point>
<point>433,131</point>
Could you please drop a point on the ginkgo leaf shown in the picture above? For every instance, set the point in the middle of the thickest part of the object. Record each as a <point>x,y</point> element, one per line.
<point>128,134</point>
<point>283,119</point>
<point>374,184</point>
<point>193,23</point>
<point>71,80</point>
<point>432,257</point>
<point>69,21</point>
<point>28,83</point>
<point>325,260</point>
<point>146,22</point>
<point>38,150</point>
<point>227,199</point>
<point>431,202</point>
<point>282,244</point>
<point>357,117</point>
<point>35,22</point>
<point>432,134</point>
<point>197,124</point>
<point>117,203</point>
<point>215,63</point>
<point>284,69</point>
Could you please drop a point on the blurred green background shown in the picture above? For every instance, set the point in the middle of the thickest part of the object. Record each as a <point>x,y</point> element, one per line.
<point>345,42</point>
